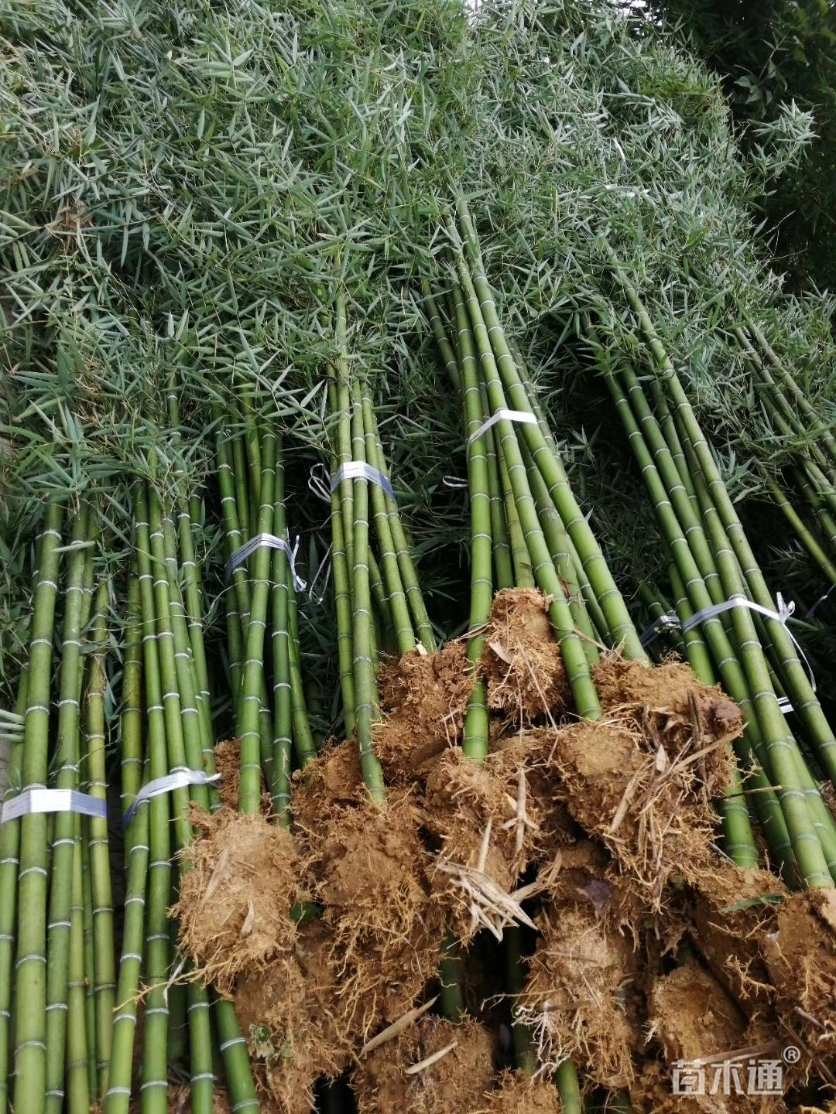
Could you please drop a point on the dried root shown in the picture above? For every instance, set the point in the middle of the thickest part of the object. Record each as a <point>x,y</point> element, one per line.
<point>578,997</point>
<point>523,666</point>
<point>372,876</point>
<point>236,896</point>
<point>424,698</point>
<point>432,1067</point>
<point>517,1094</point>
<point>650,809</point>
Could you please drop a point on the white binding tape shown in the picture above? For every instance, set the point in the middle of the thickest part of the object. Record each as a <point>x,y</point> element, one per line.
<point>524,417</point>
<point>270,540</point>
<point>781,615</point>
<point>359,470</point>
<point>180,779</point>
<point>669,621</point>
<point>52,800</point>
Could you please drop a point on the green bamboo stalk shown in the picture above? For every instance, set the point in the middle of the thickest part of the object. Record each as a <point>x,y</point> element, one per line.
<point>698,598</point>
<point>574,657</point>
<point>777,405</point>
<point>826,523</point>
<point>696,651</point>
<point>303,740</point>
<point>502,560</point>
<point>568,1088</point>
<point>131,760</point>
<point>782,766</point>
<point>342,391</point>
<point>253,446</point>
<point>802,531</point>
<point>365,687</point>
<point>249,699</point>
<point>198,748</point>
<point>524,1056</point>
<point>63,843</point>
<point>118,1095</point>
<point>793,674</point>
<point>89,959</point>
<point>281,639</point>
<point>30,977</point>
<point>448,355</point>
<point>560,548</point>
<point>395,594</point>
<point>520,556</point>
<point>9,863</point>
<point>799,397</point>
<point>739,841</point>
<point>78,1054</point>
<point>408,575</point>
<point>233,1045</point>
<point>104,987</point>
<point>343,608</point>
<point>193,607</point>
<point>450,978</point>
<point>154,536</point>
<point>242,496</point>
<point>154,1087</point>
<point>475,741</point>
<point>507,375</point>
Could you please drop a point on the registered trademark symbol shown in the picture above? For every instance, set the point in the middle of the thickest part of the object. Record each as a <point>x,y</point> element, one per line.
<point>791,1054</point>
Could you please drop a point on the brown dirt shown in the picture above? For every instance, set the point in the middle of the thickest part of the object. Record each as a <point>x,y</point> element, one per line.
<point>371,873</point>
<point>454,1084</point>
<point>692,1017</point>
<point>228,765</point>
<point>799,950</point>
<point>517,1094</point>
<point>424,698</point>
<point>730,911</point>
<point>235,900</point>
<point>282,1038</point>
<point>476,809</point>
<point>535,746</point>
<point>522,662</point>
<point>327,784</point>
<point>651,812</point>
<point>579,998</point>
<point>671,706</point>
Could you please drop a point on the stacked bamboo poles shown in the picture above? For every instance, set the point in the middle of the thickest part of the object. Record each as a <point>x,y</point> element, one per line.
<point>165,685</point>
<point>755,659</point>
<point>378,601</point>
<point>526,525</point>
<point>58,916</point>
<point>527,528</point>
<point>270,708</point>
<point>793,417</point>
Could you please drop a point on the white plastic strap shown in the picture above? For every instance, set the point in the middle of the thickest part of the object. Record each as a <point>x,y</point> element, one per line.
<point>180,779</point>
<point>784,612</point>
<point>782,615</point>
<point>359,470</point>
<point>668,621</point>
<point>272,542</point>
<point>820,601</point>
<point>525,417</point>
<point>318,483</point>
<point>52,800</point>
